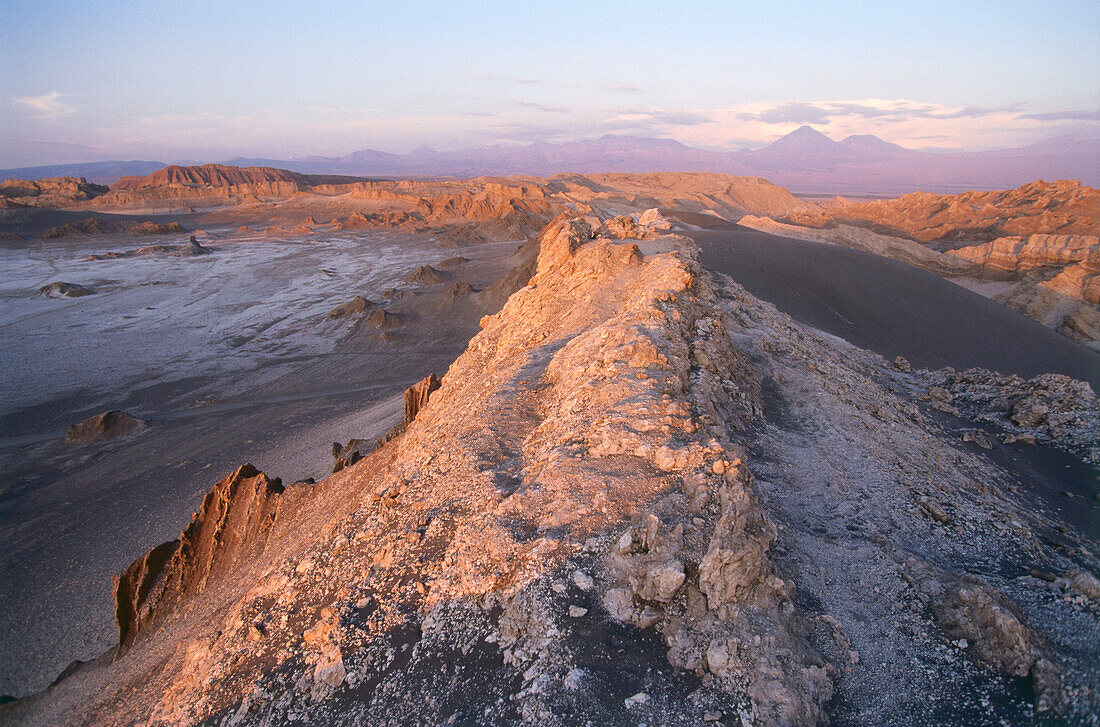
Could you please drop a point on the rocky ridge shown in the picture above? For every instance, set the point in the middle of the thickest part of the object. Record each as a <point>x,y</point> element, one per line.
<point>595,518</point>
<point>1064,207</point>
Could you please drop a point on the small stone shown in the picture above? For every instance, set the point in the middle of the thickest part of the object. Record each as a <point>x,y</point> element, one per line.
<point>639,698</point>
<point>573,679</point>
<point>577,611</point>
<point>936,510</point>
<point>712,716</point>
<point>583,581</point>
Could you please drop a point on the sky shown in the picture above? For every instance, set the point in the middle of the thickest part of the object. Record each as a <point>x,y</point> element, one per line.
<point>206,81</point>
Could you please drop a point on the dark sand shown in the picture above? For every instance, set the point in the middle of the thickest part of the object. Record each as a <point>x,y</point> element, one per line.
<point>892,308</point>
<point>895,309</point>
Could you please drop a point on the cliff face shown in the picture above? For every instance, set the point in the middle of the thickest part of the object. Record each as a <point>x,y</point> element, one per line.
<point>1076,258</point>
<point>1065,207</point>
<point>589,520</point>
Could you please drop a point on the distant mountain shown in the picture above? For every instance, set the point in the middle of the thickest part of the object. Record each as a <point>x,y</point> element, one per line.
<point>97,172</point>
<point>869,145</point>
<point>805,160</point>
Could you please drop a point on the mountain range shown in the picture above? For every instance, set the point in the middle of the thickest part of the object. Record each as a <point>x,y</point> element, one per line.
<point>805,160</point>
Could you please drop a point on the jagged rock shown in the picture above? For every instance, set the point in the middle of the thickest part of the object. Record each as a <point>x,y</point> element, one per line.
<point>1054,407</point>
<point>622,227</point>
<point>151,228</point>
<point>417,395</point>
<point>902,364</point>
<point>350,453</point>
<point>460,235</point>
<point>231,524</point>
<point>969,608</point>
<point>452,262</point>
<point>51,192</point>
<point>459,289</point>
<point>108,425</point>
<point>64,290</point>
<point>192,248</point>
<point>1084,583</point>
<point>654,220</point>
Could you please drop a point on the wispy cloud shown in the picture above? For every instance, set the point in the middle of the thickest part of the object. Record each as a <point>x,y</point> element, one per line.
<point>625,88</point>
<point>518,80</point>
<point>47,106</point>
<point>1082,115</point>
<point>541,107</point>
<point>824,112</point>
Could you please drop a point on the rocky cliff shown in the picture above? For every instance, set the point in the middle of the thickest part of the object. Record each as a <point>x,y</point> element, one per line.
<point>207,175</point>
<point>1076,258</point>
<point>594,519</point>
<point>206,184</point>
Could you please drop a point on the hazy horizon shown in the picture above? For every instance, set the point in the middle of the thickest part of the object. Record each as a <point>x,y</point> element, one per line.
<point>208,82</point>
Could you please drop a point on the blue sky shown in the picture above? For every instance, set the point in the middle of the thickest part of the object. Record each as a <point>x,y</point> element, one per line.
<point>208,80</point>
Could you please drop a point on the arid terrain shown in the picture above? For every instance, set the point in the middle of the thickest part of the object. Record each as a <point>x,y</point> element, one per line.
<point>619,448</point>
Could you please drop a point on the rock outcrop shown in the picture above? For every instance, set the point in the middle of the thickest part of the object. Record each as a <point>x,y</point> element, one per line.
<point>1075,257</point>
<point>1049,407</point>
<point>108,425</point>
<point>88,226</point>
<point>64,290</point>
<point>231,524</point>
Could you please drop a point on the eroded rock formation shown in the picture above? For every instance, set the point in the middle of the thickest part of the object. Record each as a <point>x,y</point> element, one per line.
<point>231,524</point>
<point>1065,207</point>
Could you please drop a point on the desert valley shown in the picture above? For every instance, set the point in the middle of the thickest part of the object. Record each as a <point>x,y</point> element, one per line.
<point>622,364</point>
<point>627,443</point>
